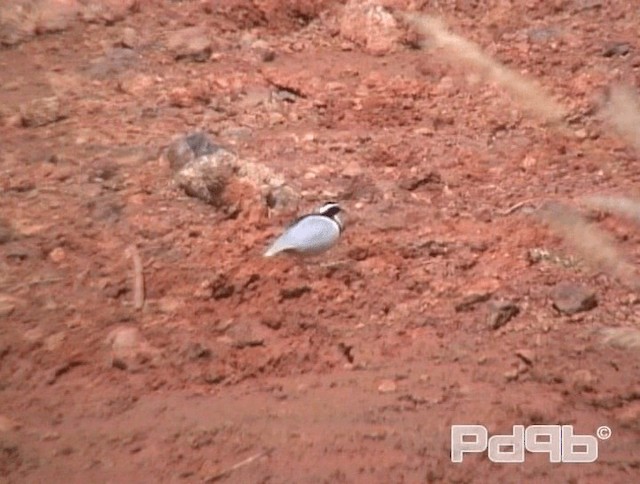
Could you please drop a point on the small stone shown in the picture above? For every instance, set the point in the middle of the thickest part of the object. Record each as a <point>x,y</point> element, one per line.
<point>571,298</point>
<point>309,137</point>
<point>129,350</point>
<point>57,255</point>
<point>53,342</point>
<point>205,170</point>
<point>528,356</point>
<point>500,313</point>
<point>581,134</point>
<point>294,292</point>
<point>387,386</point>
<point>273,323</point>
<point>276,118</point>
<point>42,111</point>
<point>191,43</point>
<point>188,148</point>
<point>613,49</point>
<point>206,177</point>
<point>511,375</point>
<point>125,338</point>
<point>50,436</point>
<point>583,381</point>
<point>529,162</point>
<point>431,180</point>
<point>128,38</point>
<point>196,350</point>
<point>370,26</point>
<point>246,335</point>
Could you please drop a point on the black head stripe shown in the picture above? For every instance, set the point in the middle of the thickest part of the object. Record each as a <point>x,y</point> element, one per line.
<point>331,211</point>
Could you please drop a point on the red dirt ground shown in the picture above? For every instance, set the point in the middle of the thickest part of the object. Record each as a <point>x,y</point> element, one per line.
<point>352,369</point>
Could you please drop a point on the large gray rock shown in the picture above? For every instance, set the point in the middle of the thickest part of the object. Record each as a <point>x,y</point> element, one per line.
<point>203,169</point>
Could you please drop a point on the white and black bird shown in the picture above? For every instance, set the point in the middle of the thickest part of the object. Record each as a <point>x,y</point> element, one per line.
<point>311,234</point>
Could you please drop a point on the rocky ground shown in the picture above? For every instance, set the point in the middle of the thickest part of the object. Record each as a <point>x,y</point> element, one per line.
<point>145,339</point>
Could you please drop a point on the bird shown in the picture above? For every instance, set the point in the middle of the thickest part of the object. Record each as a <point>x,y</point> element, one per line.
<point>311,234</point>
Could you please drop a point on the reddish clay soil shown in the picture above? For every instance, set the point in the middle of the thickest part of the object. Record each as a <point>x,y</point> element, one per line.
<point>347,369</point>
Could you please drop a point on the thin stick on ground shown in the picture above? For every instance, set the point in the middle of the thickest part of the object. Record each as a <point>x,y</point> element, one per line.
<point>524,91</point>
<point>242,463</point>
<point>595,246</point>
<point>138,277</point>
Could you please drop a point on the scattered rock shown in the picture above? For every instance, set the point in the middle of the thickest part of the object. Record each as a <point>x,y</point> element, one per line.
<point>203,170</point>
<point>219,287</point>
<point>128,38</point>
<point>583,381</point>
<point>471,300</point>
<point>191,43</point>
<point>54,341</point>
<point>430,180</point>
<point>129,350</point>
<point>625,338</point>
<point>571,298</point>
<point>264,50</point>
<point>581,134</point>
<point>107,12</point>
<point>500,313</point>
<point>19,22</point>
<point>42,111</point>
<point>206,177</point>
<point>115,62</point>
<point>528,356</point>
<point>270,322</point>
<point>57,255</point>
<point>196,351</point>
<point>293,292</point>
<point>613,49</point>
<point>63,369</point>
<point>245,335</point>
<point>387,386</point>
<point>511,375</point>
<point>187,148</point>
<point>370,26</point>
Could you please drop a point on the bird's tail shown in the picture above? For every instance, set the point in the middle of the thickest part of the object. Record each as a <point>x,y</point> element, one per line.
<point>274,249</point>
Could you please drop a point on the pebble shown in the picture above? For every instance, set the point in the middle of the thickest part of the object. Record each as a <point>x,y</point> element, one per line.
<point>571,298</point>
<point>191,43</point>
<point>370,26</point>
<point>500,313</point>
<point>42,111</point>
<point>129,38</point>
<point>470,301</point>
<point>57,255</point>
<point>583,380</point>
<point>387,386</point>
